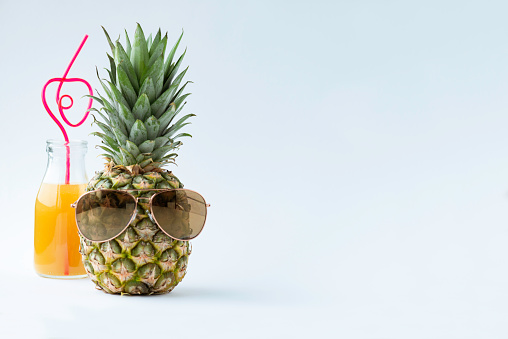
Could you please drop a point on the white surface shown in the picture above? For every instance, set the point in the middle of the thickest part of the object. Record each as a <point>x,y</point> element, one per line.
<point>355,154</point>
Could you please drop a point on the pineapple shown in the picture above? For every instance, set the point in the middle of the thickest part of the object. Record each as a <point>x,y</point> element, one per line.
<point>139,136</point>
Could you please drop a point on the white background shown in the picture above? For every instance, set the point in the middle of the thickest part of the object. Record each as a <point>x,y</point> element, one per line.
<point>355,154</point>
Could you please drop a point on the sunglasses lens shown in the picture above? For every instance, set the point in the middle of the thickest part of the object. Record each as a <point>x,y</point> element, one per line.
<point>181,213</point>
<point>102,215</point>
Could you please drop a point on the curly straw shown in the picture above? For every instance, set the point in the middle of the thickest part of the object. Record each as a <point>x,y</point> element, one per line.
<point>61,107</point>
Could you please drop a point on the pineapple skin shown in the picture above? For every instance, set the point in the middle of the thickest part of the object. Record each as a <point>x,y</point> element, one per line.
<point>142,260</point>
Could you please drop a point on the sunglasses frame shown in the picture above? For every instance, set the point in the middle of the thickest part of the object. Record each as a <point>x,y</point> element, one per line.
<point>135,212</point>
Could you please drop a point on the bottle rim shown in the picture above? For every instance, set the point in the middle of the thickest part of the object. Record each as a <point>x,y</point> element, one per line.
<point>62,143</point>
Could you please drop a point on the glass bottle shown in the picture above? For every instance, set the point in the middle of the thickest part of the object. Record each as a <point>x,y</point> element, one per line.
<point>56,240</point>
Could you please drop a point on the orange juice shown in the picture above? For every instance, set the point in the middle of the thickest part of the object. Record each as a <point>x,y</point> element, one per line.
<point>56,239</point>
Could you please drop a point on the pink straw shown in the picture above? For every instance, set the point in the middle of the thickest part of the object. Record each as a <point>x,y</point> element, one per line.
<point>61,108</point>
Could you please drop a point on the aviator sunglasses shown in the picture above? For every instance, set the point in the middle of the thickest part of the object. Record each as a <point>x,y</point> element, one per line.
<point>103,214</point>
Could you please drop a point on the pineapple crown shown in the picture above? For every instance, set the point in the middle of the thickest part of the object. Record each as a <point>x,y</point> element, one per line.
<point>143,97</point>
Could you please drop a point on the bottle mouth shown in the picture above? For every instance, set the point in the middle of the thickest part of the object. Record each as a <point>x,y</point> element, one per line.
<point>54,143</point>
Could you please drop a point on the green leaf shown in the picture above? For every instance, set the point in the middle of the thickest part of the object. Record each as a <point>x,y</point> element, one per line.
<point>155,42</point>
<point>113,157</point>
<point>128,47</point>
<point>174,69</point>
<point>94,110</point>
<point>111,77</point>
<point>139,54</point>
<point>161,104</point>
<point>109,40</point>
<point>119,136</point>
<point>182,135</point>
<point>148,88</point>
<point>120,126</point>
<point>107,149</point>
<point>109,152</point>
<point>112,70</point>
<point>111,142</point>
<point>109,108</point>
<point>175,83</point>
<point>161,47</point>
<point>140,158</point>
<point>126,87</point>
<point>142,108</point>
<point>122,60</point>
<point>160,141</point>
<point>127,117</point>
<point>157,74</point>
<point>167,160</point>
<point>138,133</point>
<point>106,89</point>
<point>128,158</point>
<point>179,100</point>
<point>166,118</point>
<point>132,148</point>
<point>175,97</point>
<point>100,113</point>
<point>117,95</point>
<point>169,59</point>
<point>180,76</point>
<point>161,151</point>
<point>180,108</point>
<point>99,100</point>
<point>171,156</point>
<point>173,129</point>
<point>145,162</point>
<point>176,144</point>
<point>105,128</point>
<point>147,146</point>
<point>114,117</point>
<point>152,127</point>
<point>183,119</point>
<point>149,41</point>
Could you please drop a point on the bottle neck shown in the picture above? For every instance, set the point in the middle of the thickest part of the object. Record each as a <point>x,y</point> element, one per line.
<point>66,162</point>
